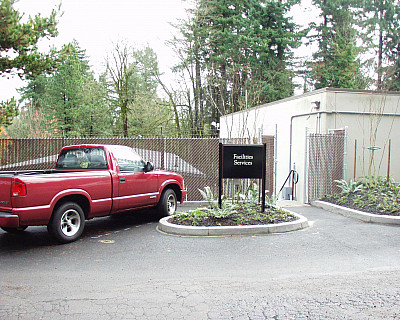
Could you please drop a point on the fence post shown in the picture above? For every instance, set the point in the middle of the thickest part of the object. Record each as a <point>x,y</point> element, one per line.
<point>355,159</point>
<point>305,196</point>
<point>388,165</point>
<point>345,153</point>
<point>163,152</point>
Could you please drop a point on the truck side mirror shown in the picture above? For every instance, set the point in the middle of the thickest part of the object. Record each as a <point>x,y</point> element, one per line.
<point>148,167</point>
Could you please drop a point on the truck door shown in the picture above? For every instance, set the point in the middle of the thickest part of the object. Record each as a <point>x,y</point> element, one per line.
<point>136,188</point>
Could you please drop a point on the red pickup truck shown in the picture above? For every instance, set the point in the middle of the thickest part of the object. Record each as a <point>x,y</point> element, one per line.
<point>88,181</point>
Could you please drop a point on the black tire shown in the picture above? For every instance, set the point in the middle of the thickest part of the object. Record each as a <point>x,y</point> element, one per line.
<point>67,222</point>
<point>14,230</point>
<point>168,203</point>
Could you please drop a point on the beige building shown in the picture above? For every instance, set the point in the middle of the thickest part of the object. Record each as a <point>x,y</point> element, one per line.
<point>324,135</point>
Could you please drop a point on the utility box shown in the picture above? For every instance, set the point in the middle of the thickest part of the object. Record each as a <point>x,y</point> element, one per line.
<point>287,193</point>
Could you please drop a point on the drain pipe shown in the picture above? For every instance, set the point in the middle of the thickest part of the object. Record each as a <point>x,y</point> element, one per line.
<point>331,112</point>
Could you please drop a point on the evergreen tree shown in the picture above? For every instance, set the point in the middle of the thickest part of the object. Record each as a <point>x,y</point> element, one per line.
<point>8,110</point>
<point>382,28</point>
<point>150,116</point>
<point>18,41</point>
<point>64,90</point>
<point>71,100</point>
<point>248,47</point>
<point>18,49</point>
<point>237,54</point>
<point>394,48</point>
<point>336,62</point>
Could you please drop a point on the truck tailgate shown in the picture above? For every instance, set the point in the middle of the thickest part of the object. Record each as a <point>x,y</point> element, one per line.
<point>43,191</point>
<point>5,192</point>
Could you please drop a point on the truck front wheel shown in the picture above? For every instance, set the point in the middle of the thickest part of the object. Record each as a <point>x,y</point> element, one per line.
<point>67,223</point>
<point>168,204</point>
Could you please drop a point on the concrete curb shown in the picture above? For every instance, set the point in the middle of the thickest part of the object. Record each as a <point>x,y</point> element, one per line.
<point>356,214</point>
<point>175,229</point>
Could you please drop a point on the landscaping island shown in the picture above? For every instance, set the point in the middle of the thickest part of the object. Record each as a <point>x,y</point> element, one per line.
<point>375,200</point>
<point>243,219</point>
<point>234,215</point>
<point>371,199</point>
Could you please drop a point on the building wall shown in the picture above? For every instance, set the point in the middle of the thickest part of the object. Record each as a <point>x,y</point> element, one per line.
<point>370,118</point>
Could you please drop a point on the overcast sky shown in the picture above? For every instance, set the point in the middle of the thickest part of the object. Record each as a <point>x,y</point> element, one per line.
<point>97,24</point>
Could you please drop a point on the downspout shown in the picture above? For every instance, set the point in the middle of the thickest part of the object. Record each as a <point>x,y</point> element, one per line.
<point>330,112</point>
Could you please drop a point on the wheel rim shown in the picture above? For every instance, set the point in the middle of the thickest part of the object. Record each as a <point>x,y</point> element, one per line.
<point>171,204</point>
<point>70,222</point>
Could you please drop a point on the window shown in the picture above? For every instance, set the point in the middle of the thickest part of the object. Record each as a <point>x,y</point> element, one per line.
<point>128,160</point>
<point>82,158</point>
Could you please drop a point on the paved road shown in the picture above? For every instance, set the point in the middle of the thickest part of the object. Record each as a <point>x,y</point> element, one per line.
<point>123,268</point>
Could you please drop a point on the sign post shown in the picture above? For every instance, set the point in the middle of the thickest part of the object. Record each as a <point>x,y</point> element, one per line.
<point>242,161</point>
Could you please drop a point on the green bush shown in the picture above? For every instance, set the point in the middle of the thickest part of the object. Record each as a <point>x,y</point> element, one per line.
<point>371,194</point>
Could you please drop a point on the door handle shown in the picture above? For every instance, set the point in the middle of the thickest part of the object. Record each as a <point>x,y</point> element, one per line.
<point>122,180</point>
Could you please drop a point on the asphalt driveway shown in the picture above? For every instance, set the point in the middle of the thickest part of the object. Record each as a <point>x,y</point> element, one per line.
<point>123,268</point>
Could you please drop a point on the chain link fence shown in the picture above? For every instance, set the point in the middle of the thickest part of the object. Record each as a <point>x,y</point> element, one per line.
<point>325,163</point>
<point>195,159</point>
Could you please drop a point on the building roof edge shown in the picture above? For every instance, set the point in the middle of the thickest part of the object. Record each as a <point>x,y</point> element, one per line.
<point>314,92</point>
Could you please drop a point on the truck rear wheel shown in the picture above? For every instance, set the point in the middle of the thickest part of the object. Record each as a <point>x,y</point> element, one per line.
<point>67,223</point>
<point>168,204</point>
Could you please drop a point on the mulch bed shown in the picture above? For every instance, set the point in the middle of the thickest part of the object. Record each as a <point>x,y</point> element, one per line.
<point>239,217</point>
<point>348,202</point>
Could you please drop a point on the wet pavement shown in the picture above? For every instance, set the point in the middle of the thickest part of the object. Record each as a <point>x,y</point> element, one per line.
<point>123,268</point>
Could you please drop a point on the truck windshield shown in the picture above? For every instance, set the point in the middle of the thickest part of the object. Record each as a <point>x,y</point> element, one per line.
<point>82,158</point>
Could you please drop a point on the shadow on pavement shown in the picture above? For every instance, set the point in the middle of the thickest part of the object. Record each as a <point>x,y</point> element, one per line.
<point>37,236</point>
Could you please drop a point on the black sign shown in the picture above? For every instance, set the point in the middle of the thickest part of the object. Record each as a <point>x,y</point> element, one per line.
<point>240,161</point>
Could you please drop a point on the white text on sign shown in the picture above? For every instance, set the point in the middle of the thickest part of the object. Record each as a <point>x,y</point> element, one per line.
<point>240,160</point>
